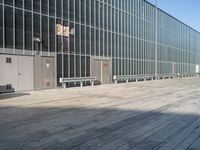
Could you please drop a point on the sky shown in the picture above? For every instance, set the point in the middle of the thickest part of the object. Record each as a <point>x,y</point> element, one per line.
<point>187,11</point>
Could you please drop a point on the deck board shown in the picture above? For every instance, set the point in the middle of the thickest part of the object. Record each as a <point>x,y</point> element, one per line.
<point>145,115</point>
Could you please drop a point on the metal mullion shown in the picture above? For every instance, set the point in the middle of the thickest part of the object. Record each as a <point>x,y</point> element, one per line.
<point>85,36</point>
<point>115,45</point>
<point>117,32</point>
<point>90,34</point>
<point>3,9</point>
<point>14,51</point>
<point>79,28</point>
<point>94,28</point>
<point>55,48</point>
<point>23,29</point>
<point>68,44</point>
<point>32,30</point>
<point>62,50</point>
<point>41,30</point>
<point>99,29</point>
<point>107,30</point>
<point>103,29</point>
<point>74,40</point>
<point>48,28</point>
<point>111,39</point>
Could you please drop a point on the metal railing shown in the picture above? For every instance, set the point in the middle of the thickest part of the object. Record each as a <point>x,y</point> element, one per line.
<point>181,75</point>
<point>128,78</point>
<point>78,79</point>
<point>166,76</point>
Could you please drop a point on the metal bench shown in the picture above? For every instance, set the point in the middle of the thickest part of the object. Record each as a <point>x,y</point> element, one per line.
<point>181,75</point>
<point>132,77</point>
<point>166,75</point>
<point>79,79</point>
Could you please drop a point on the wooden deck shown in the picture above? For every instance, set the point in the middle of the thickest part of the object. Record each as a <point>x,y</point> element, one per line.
<point>148,115</point>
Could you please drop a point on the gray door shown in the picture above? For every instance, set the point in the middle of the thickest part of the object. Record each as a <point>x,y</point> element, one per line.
<point>44,72</point>
<point>106,72</point>
<point>24,73</point>
<point>102,70</point>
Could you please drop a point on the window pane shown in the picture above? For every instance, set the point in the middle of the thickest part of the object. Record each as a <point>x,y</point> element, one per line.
<point>28,31</point>
<point>44,34</point>
<point>36,5</point>
<point>82,11</point>
<point>52,34</point>
<point>36,26</point>
<point>87,41</point>
<point>71,10</point>
<point>65,9</point>
<point>71,37</point>
<point>58,36</point>
<point>71,65</point>
<point>19,3</point>
<point>52,7</point>
<point>28,4</point>
<point>77,3</point>
<point>58,9</point>
<point>65,37</point>
<point>18,29</point>
<point>45,6</point>
<point>1,26</point>
<point>8,2</point>
<point>88,66</point>
<point>78,68</point>
<point>83,66</point>
<point>77,39</point>
<point>8,27</point>
<point>83,39</point>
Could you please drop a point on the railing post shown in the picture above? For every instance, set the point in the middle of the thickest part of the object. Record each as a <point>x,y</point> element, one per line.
<point>92,83</point>
<point>115,81</point>
<point>127,81</point>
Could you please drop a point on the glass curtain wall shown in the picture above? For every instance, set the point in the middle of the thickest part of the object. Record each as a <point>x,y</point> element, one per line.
<point>76,30</point>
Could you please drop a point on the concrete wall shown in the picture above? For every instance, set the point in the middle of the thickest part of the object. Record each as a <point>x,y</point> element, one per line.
<point>18,73</point>
<point>27,72</point>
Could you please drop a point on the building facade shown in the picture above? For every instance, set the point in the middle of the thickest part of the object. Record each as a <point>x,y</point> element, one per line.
<point>44,40</point>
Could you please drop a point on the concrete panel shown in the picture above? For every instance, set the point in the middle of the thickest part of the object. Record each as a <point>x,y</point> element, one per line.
<point>8,74</point>
<point>18,72</point>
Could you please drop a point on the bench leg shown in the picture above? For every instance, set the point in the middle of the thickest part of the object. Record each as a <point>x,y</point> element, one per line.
<point>81,84</point>
<point>126,81</point>
<point>64,85</point>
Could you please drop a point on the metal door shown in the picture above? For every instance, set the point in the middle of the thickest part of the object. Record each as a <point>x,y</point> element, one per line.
<point>24,73</point>
<point>106,72</point>
<point>102,70</point>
